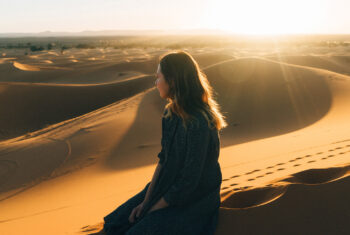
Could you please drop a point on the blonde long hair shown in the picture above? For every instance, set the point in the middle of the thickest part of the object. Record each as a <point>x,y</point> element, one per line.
<point>189,89</point>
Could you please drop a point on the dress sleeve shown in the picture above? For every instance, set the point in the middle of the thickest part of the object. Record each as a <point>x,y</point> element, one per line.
<point>197,143</point>
<point>161,154</point>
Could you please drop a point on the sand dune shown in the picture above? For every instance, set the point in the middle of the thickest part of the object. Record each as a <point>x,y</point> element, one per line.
<point>65,69</point>
<point>339,64</point>
<point>25,67</point>
<point>53,53</point>
<point>34,56</point>
<point>47,61</point>
<point>207,59</point>
<point>262,195</point>
<point>73,73</point>
<point>264,98</point>
<point>44,104</point>
<point>320,208</point>
<point>284,156</point>
<point>2,60</point>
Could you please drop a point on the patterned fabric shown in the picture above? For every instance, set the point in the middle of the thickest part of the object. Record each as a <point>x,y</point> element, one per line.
<point>189,180</point>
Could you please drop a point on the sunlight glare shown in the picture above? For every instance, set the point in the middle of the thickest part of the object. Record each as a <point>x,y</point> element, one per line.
<point>265,17</point>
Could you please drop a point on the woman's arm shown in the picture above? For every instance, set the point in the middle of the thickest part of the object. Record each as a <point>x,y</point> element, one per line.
<point>197,142</point>
<point>154,179</point>
<point>161,203</point>
<point>161,156</point>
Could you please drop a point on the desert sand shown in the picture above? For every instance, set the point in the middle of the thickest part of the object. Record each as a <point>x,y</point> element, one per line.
<point>80,132</point>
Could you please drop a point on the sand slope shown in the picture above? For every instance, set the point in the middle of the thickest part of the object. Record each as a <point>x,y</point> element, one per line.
<point>264,98</point>
<point>88,66</point>
<point>339,64</point>
<point>27,107</point>
<point>310,202</point>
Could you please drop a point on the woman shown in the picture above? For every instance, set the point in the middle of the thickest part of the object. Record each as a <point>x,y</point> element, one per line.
<point>183,196</point>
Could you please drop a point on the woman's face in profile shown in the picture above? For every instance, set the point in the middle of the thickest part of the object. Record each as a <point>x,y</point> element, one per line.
<point>161,84</point>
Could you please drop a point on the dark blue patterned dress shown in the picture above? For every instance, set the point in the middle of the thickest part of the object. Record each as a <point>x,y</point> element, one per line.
<point>189,180</point>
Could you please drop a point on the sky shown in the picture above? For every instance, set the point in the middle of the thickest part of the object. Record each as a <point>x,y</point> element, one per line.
<point>241,17</point>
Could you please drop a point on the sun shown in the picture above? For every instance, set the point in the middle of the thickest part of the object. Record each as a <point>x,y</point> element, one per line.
<point>265,16</point>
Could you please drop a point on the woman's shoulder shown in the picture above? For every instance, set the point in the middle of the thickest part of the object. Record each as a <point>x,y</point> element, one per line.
<point>169,122</point>
<point>199,123</point>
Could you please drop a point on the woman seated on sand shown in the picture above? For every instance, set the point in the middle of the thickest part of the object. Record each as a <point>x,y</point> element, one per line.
<point>183,196</point>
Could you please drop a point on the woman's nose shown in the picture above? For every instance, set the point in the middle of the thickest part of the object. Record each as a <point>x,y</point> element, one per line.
<point>155,82</point>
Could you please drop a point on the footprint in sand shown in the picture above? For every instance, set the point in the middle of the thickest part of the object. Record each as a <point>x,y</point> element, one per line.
<point>235,176</point>
<point>251,172</point>
<point>279,164</point>
<point>282,163</point>
<point>241,188</point>
<point>96,229</point>
<point>232,177</point>
<point>248,173</point>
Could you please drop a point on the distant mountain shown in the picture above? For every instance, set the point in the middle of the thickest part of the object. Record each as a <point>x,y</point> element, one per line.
<point>113,33</point>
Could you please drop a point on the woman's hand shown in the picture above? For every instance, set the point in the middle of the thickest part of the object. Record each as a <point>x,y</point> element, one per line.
<point>159,205</point>
<point>153,208</point>
<point>136,212</point>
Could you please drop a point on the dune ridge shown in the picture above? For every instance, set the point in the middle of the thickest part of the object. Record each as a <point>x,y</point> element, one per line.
<point>251,89</point>
<point>3,60</point>
<point>27,67</point>
<point>339,64</point>
<point>315,205</point>
<point>62,101</point>
<point>260,196</point>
